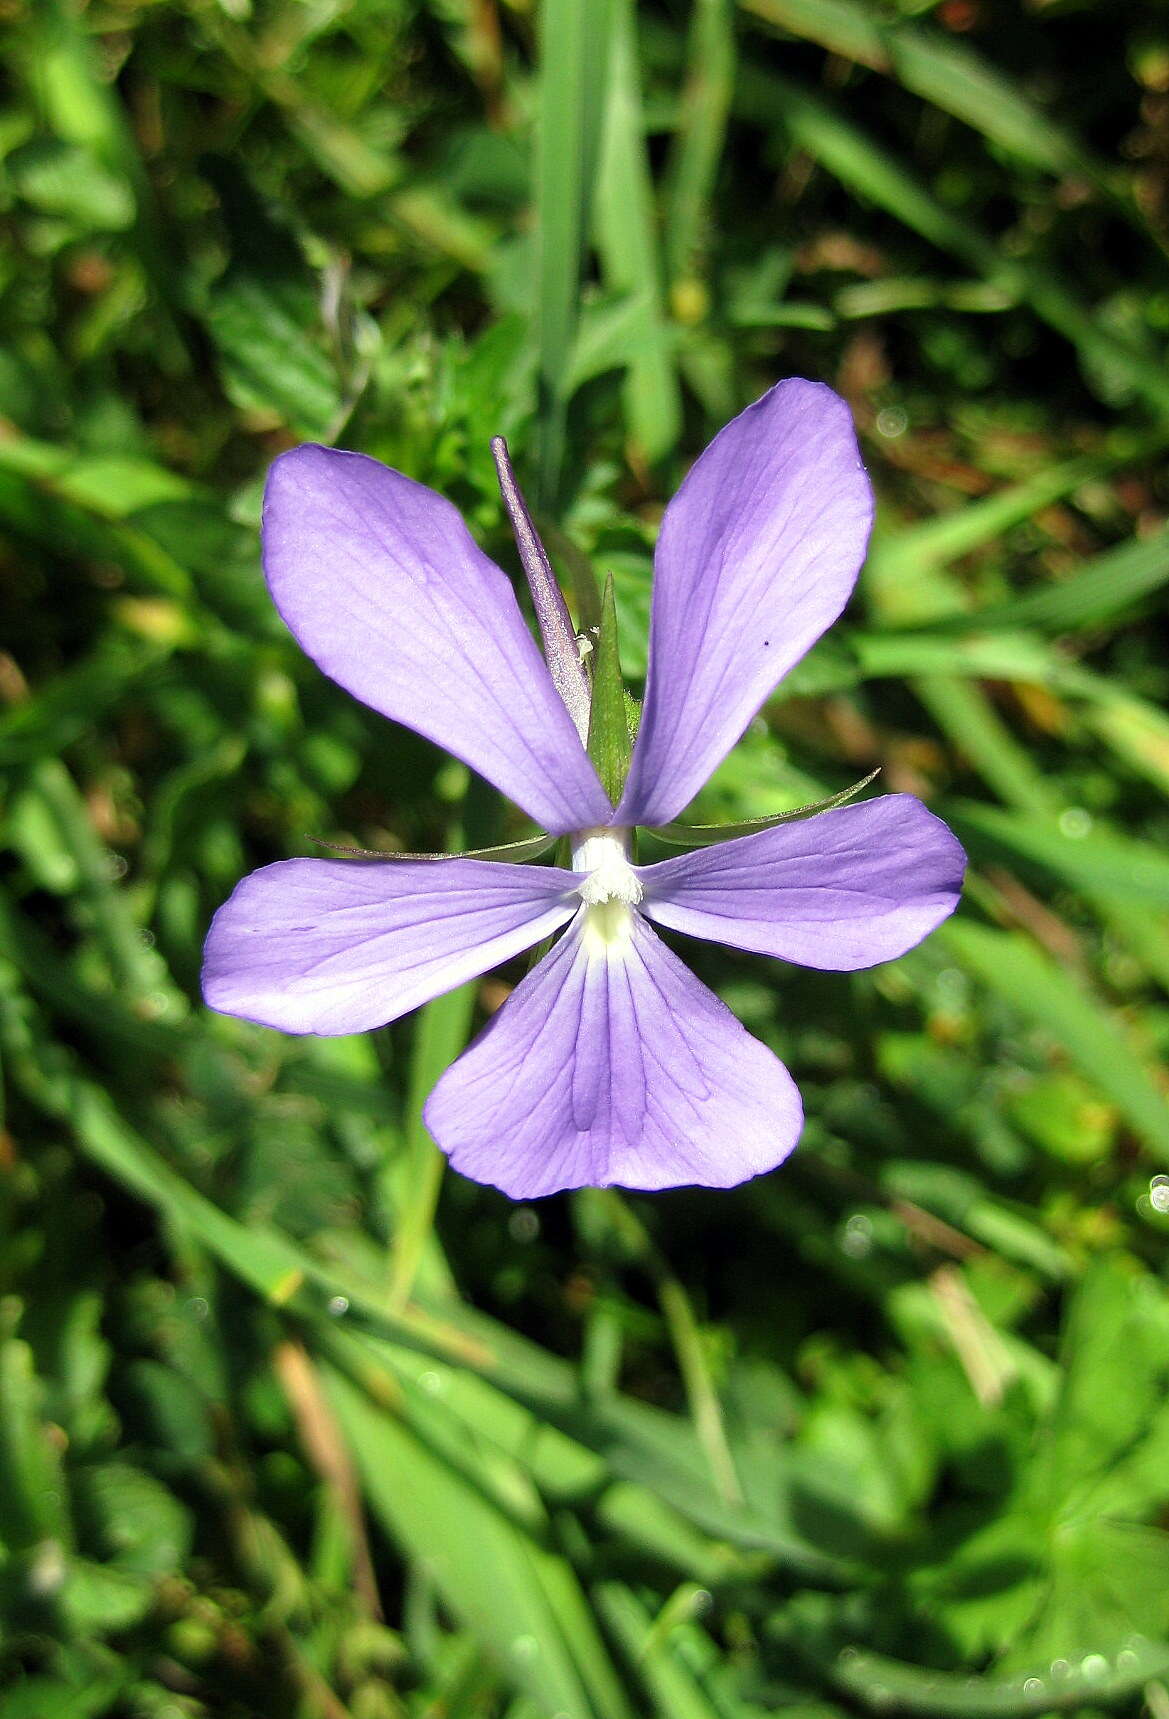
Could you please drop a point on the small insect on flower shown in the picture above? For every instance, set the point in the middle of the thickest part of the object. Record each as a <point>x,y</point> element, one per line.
<point>610,1063</point>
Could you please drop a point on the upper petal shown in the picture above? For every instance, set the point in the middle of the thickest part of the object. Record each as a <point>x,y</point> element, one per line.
<point>611,1064</point>
<point>757,555</point>
<point>385,588</point>
<point>339,946</point>
<point>840,890</point>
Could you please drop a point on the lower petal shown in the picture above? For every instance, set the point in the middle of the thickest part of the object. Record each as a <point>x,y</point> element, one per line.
<point>339,946</point>
<point>612,1065</point>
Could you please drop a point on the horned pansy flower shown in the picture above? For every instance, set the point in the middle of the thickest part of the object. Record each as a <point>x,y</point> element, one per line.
<point>609,1063</point>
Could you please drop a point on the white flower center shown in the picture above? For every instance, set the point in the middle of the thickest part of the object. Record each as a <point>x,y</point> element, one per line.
<point>610,888</point>
<point>604,855</point>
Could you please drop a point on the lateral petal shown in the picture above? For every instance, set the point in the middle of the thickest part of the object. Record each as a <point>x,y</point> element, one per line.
<point>840,890</point>
<point>611,1064</point>
<point>757,555</point>
<point>339,946</point>
<point>385,589</point>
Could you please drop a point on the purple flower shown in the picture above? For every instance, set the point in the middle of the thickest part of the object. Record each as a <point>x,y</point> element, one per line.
<point>609,1063</point>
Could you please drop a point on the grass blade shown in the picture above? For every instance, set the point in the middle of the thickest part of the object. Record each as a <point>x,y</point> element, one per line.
<point>697,150</point>
<point>947,74</point>
<point>627,240</point>
<point>574,41</point>
<point>1030,981</point>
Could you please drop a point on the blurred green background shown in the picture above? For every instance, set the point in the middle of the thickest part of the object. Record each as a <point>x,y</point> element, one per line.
<point>292,1425</point>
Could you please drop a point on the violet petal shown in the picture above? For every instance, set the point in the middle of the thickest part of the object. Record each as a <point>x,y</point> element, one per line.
<point>613,1065</point>
<point>384,587</point>
<point>339,946</point>
<point>757,555</point>
<point>840,890</point>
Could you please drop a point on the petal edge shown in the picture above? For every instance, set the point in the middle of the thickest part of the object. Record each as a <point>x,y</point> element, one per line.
<point>614,1069</point>
<point>340,946</point>
<point>383,586</point>
<point>841,890</point>
<point>757,555</point>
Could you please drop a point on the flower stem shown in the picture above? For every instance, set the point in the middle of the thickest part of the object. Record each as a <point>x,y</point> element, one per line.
<point>443,1028</point>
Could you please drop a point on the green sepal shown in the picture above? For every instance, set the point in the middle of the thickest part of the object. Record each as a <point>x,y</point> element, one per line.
<point>530,847</point>
<point>609,745</point>
<point>706,835</point>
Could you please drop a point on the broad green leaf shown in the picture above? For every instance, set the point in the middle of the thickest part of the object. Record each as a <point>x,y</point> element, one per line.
<point>63,179</point>
<point>99,1599</point>
<point>131,1520</point>
<point>1115,1368</point>
<point>33,1506</point>
<point>265,330</point>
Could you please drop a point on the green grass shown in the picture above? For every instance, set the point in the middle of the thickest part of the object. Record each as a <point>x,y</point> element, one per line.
<point>293,1422</point>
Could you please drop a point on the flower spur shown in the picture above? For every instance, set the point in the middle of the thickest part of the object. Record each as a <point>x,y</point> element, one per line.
<point>609,1063</point>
